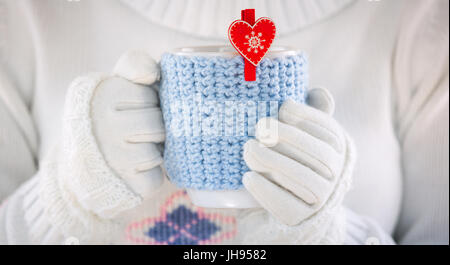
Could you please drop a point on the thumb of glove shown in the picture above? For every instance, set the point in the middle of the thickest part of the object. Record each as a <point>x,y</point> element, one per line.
<point>138,67</point>
<point>321,99</point>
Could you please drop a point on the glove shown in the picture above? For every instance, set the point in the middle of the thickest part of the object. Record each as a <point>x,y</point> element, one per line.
<point>107,160</point>
<point>301,169</point>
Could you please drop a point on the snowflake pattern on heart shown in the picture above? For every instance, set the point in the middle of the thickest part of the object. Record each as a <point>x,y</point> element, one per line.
<point>252,42</point>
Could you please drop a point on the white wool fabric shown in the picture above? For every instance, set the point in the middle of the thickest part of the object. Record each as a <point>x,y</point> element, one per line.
<point>82,184</point>
<point>384,62</point>
<point>307,169</point>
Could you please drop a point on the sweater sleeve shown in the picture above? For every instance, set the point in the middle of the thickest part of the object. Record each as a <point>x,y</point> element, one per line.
<point>18,134</point>
<point>421,82</point>
<point>22,212</point>
<point>18,146</point>
<point>363,230</point>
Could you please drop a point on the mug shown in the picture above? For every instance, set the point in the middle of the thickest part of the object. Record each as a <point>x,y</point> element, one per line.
<point>210,111</point>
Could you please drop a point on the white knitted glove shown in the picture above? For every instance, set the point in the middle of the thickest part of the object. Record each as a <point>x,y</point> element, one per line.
<point>107,160</point>
<point>301,168</point>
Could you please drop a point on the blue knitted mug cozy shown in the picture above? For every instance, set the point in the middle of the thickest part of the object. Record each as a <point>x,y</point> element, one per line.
<point>210,112</point>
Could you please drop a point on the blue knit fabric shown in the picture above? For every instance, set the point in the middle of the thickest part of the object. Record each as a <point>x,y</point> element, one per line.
<point>202,90</point>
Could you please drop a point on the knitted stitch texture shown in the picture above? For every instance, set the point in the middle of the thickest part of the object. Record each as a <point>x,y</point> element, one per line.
<point>210,112</point>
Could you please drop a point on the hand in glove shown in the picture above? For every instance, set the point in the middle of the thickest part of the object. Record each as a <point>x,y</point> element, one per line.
<point>301,168</point>
<point>107,160</point>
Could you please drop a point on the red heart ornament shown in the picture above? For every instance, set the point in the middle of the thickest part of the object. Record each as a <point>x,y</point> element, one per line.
<point>252,42</point>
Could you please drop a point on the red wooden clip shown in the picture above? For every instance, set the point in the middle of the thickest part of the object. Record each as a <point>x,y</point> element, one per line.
<point>251,39</point>
<point>248,15</point>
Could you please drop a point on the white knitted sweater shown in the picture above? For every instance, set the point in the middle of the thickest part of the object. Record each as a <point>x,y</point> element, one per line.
<point>386,63</point>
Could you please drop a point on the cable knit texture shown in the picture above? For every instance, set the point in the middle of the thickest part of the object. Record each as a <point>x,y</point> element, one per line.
<point>197,92</point>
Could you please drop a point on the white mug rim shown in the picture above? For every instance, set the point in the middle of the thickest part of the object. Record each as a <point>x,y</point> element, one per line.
<point>229,51</point>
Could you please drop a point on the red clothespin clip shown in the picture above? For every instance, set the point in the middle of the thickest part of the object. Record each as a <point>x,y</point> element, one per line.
<point>252,39</point>
<point>248,15</point>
